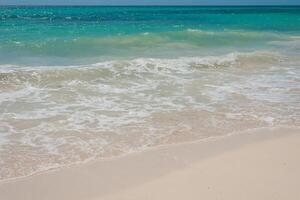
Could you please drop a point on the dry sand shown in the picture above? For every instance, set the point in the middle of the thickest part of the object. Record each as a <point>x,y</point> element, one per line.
<point>261,165</point>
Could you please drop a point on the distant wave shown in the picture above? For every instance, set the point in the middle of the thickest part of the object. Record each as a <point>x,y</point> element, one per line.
<point>232,59</point>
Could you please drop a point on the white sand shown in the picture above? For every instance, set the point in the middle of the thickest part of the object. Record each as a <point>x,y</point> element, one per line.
<point>263,164</point>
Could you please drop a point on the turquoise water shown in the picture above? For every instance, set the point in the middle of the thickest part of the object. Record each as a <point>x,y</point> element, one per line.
<point>85,83</point>
<point>60,35</point>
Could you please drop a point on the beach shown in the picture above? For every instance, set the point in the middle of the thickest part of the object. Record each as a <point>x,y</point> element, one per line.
<point>261,164</point>
<point>149,102</point>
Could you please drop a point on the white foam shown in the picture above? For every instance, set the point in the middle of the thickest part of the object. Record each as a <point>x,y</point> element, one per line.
<point>62,112</point>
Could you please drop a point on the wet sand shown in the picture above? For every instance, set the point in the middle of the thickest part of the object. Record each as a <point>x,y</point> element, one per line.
<point>258,164</point>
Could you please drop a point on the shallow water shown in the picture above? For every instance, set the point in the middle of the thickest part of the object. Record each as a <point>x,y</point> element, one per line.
<point>82,83</point>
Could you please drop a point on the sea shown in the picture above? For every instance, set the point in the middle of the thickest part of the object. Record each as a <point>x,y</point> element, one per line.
<point>83,83</point>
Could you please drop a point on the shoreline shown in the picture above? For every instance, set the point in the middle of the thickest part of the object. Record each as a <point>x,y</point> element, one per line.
<point>100,178</point>
<point>151,148</point>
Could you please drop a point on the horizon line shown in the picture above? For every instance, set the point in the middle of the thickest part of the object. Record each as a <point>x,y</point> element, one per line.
<point>189,5</point>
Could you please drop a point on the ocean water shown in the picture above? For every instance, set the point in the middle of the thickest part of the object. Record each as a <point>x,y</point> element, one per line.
<point>85,83</point>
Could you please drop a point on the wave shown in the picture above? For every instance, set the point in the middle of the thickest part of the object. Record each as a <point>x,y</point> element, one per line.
<point>18,74</point>
<point>61,115</point>
<point>174,43</point>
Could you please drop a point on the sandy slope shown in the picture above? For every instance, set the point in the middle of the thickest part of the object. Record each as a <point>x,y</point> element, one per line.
<point>267,170</point>
<point>262,164</point>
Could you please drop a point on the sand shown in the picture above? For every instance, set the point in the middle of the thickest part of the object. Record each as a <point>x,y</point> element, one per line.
<point>262,164</point>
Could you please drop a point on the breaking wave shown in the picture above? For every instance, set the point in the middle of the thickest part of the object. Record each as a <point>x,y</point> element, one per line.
<point>52,116</point>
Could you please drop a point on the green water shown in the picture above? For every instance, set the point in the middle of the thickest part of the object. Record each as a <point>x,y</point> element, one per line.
<point>65,35</point>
